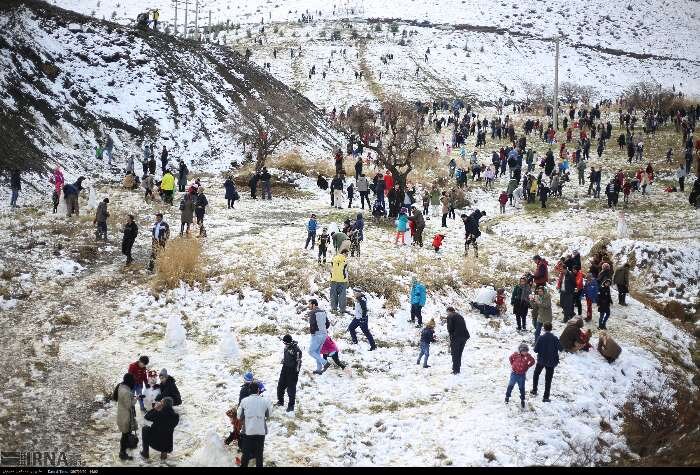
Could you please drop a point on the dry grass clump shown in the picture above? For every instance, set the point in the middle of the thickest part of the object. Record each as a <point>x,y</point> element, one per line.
<point>377,283</point>
<point>294,162</point>
<point>180,261</point>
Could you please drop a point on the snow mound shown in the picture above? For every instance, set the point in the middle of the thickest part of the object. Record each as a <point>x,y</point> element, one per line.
<point>175,333</point>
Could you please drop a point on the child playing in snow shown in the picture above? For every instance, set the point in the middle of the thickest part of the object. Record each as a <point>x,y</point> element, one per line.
<point>520,362</point>
<point>437,241</point>
<point>584,338</point>
<point>502,200</point>
<point>153,390</point>
<point>323,240</point>
<point>329,348</point>
<point>501,302</point>
<point>401,227</point>
<point>427,336</point>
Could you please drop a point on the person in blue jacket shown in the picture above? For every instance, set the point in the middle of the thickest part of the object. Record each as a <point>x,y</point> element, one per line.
<point>590,290</point>
<point>547,348</point>
<point>359,226</point>
<point>311,231</point>
<point>418,295</point>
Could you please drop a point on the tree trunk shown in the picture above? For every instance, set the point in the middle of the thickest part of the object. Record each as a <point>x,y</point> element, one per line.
<point>259,161</point>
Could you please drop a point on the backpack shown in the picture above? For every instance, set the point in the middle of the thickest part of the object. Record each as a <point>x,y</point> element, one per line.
<point>115,393</point>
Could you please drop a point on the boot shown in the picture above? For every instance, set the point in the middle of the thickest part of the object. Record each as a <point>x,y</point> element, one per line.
<point>522,403</point>
<point>124,456</point>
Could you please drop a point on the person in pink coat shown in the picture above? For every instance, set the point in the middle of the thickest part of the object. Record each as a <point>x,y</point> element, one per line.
<point>58,181</point>
<point>329,348</point>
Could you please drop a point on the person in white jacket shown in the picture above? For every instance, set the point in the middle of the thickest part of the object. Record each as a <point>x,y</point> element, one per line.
<point>253,411</point>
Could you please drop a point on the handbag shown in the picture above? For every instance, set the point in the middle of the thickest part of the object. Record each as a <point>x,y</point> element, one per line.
<point>132,441</point>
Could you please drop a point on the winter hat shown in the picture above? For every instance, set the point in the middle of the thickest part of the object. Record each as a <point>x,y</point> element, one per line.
<point>287,338</point>
<point>248,377</point>
<point>523,347</point>
<point>163,372</point>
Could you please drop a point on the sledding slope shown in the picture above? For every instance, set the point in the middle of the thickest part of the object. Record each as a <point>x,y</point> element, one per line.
<point>68,80</point>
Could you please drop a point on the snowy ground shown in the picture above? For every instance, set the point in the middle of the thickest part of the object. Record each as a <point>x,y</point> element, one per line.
<point>384,409</point>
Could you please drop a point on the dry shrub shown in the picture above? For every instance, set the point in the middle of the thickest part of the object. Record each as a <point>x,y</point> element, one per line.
<point>294,162</point>
<point>376,283</point>
<point>105,283</point>
<point>180,261</point>
<point>663,429</point>
<point>87,253</point>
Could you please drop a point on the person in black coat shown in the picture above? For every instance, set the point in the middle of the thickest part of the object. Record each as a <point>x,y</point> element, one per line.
<point>253,184</point>
<point>15,186</point>
<point>547,348</point>
<point>457,329</point>
<point>131,230</point>
<point>566,293</point>
<point>159,436</point>
<point>291,365</point>
<point>168,388</point>
<point>231,193</point>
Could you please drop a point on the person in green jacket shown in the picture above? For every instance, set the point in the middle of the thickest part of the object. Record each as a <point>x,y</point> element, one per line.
<point>543,303</point>
<point>581,167</point>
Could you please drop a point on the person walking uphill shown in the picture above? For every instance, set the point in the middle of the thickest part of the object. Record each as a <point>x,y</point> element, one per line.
<point>520,362</point>
<point>159,435</point>
<point>318,328</point>
<point>541,304</point>
<point>289,375</point>
<point>547,348</point>
<point>101,215</point>
<point>253,411</point>
<point>457,329</point>
<point>418,221</point>
<point>339,282</point>
<point>427,336</point>
<point>361,319</point>
<point>418,298</point>
<point>604,304</point>
<point>126,413</point>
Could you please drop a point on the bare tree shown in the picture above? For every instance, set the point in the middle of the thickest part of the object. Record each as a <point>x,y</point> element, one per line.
<point>395,135</point>
<point>647,96</point>
<point>263,137</point>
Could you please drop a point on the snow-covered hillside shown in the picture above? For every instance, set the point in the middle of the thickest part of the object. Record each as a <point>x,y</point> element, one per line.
<point>479,50</point>
<point>68,81</point>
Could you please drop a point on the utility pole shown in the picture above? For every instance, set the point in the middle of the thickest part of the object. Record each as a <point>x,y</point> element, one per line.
<point>196,20</point>
<point>175,18</point>
<point>556,84</point>
<point>186,8</point>
<point>209,29</point>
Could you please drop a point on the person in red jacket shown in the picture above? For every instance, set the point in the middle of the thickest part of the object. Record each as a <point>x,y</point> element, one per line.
<point>520,362</point>
<point>138,369</point>
<point>388,182</point>
<point>437,241</point>
<point>541,275</point>
<point>502,200</point>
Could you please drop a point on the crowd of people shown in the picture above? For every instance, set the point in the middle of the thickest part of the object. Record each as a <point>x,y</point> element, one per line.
<point>409,206</point>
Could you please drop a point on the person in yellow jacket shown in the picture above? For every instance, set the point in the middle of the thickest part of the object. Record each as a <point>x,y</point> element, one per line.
<point>156,16</point>
<point>533,190</point>
<point>167,184</point>
<point>339,281</point>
